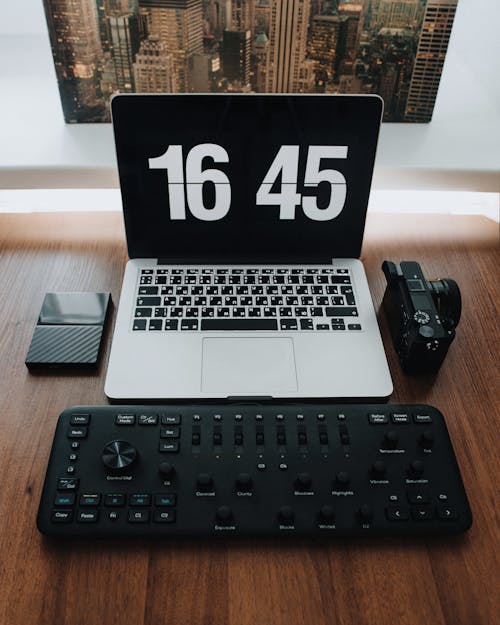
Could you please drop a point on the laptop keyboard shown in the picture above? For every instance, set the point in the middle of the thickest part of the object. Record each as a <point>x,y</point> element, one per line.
<point>244,299</point>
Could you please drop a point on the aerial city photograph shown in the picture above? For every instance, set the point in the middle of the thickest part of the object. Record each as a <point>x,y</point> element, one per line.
<point>393,48</point>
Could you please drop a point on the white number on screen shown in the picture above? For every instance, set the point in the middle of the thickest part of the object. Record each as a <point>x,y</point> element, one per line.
<point>172,161</point>
<point>286,162</point>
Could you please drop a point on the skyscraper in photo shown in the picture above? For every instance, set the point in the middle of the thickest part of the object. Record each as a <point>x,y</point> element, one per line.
<point>124,46</point>
<point>236,48</point>
<point>288,71</point>
<point>429,60</point>
<point>179,24</point>
<point>154,68</point>
<point>77,52</point>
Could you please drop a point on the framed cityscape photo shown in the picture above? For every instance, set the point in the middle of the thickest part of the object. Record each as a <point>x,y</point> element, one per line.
<point>395,48</point>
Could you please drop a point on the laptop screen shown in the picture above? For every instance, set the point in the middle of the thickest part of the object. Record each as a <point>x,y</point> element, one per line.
<point>245,178</point>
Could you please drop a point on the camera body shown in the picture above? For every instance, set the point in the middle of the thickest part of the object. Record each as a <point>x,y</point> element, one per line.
<point>422,315</point>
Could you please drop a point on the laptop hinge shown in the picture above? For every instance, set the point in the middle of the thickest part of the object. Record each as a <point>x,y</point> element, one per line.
<point>238,260</point>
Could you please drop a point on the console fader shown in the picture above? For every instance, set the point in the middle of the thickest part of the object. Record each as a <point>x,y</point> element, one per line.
<point>252,469</point>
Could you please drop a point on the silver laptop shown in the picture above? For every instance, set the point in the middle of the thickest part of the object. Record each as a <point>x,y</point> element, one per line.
<point>244,217</point>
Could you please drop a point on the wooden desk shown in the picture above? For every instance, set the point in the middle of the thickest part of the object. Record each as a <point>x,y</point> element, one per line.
<point>246,582</point>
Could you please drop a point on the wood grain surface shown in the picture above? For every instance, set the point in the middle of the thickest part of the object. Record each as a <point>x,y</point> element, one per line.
<point>446,580</point>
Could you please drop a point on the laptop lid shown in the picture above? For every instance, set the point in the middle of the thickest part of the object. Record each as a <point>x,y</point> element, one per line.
<point>245,178</point>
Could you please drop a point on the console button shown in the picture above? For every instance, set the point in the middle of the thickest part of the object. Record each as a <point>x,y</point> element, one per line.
<point>421,417</point>
<point>165,499</point>
<point>378,418</point>
<point>169,446</point>
<point>61,516</point>
<point>125,419</point>
<point>421,513</point>
<point>397,513</point>
<point>140,499</point>
<point>90,499</point>
<point>79,419</point>
<point>147,419</point>
<point>446,513</point>
<point>138,516</point>
<point>75,432</point>
<point>114,499</point>
<point>400,417</point>
<point>170,432</point>
<point>68,483</point>
<point>164,516</point>
<point>87,516</point>
<point>170,419</point>
<point>64,500</point>
<point>417,495</point>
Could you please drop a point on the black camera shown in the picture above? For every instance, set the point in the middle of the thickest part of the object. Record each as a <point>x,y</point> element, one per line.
<point>422,315</point>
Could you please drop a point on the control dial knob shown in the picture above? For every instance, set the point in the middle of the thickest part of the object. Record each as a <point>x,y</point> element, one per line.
<point>244,482</point>
<point>166,469</point>
<point>303,482</point>
<point>224,514</point>
<point>421,317</point>
<point>118,455</point>
<point>204,482</point>
<point>286,514</point>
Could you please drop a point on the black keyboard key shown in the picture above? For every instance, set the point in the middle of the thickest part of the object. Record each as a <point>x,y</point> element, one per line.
<point>148,290</point>
<point>341,311</point>
<point>207,312</point>
<point>340,280</point>
<point>230,301</point>
<point>223,312</point>
<point>316,312</point>
<point>238,312</point>
<point>236,325</point>
<point>156,324</point>
<point>161,312</point>
<point>143,312</point>
<point>285,311</point>
<point>354,326</point>
<point>301,311</point>
<point>139,324</point>
<point>349,299</point>
<point>337,300</point>
<point>170,301</point>
<point>269,312</point>
<point>254,312</point>
<point>171,324</point>
<point>176,312</point>
<point>138,516</point>
<point>192,312</point>
<point>185,300</point>
<point>322,326</point>
<point>306,324</point>
<point>289,324</point>
<point>148,301</point>
<point>215,300</point>
<point>189,324</point>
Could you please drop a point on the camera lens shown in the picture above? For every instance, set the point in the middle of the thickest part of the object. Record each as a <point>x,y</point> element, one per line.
<point>448,301</point>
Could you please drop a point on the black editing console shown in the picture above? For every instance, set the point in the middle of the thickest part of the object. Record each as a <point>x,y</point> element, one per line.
<point>252,469</point>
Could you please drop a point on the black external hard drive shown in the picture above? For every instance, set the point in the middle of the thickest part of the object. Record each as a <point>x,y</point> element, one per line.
<point>69,331</point>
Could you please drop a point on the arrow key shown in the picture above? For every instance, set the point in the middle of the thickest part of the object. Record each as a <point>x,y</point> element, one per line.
<point>446,513</point>
<point>397,513</point>
<point>417,495</point>
<point>421,513</point>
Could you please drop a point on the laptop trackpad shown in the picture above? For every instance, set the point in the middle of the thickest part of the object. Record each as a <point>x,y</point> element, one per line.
<point>248,366</point>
